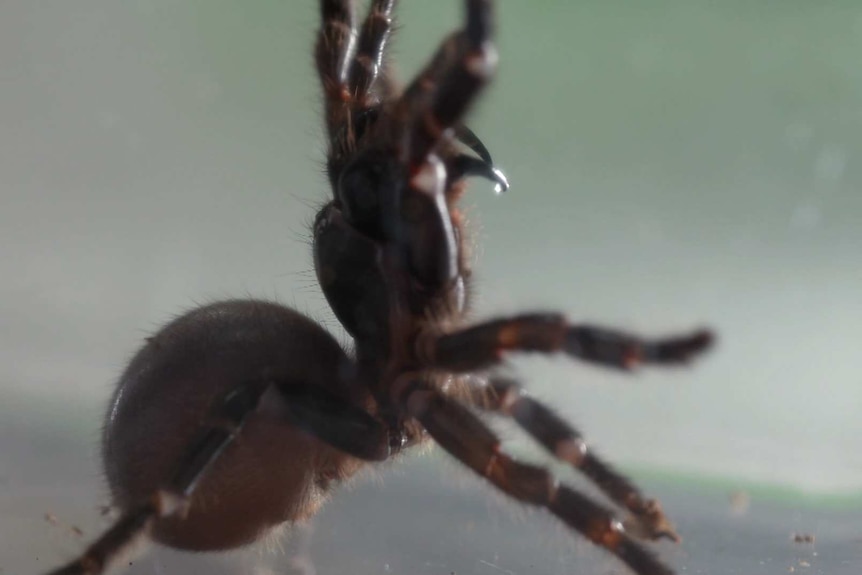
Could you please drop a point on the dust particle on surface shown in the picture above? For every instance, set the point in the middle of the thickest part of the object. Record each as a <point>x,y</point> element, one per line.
<point>740,501</point>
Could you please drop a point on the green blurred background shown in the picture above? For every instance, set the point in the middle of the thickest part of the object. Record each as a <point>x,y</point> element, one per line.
<point>673,164</point>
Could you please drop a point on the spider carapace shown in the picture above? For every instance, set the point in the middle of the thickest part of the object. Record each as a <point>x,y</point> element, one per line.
<point>242,415</point>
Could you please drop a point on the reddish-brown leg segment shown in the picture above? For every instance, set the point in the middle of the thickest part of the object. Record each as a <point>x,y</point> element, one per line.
<point>460,432</point>
<point>440,95</point>
<point>483,345</point>
<point>563,441</point>
<point>366,66</point>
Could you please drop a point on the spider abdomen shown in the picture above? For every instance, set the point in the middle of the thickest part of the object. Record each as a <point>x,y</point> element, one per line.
<point>273,472</point>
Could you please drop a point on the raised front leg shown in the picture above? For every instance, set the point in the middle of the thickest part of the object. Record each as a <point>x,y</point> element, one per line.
<point>366,66</point>
<point>440,95</point>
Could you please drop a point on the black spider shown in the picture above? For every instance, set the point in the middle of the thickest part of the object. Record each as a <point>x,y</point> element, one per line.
<point>242,415</point>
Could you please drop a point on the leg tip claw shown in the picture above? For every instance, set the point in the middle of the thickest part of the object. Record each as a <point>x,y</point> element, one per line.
<point>652,524</point>
<point>627,352</point>
<point>679,349</point>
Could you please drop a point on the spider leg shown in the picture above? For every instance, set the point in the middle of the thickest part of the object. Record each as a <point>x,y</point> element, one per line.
<point>336,422</point>
<point>483,345</point>
<point>560,439</point>
<point>174,496</point>
<point>440,95</point>
<point>460,432</point>
<point>367,64</point>
<point>321,414</point>
<point>335,41</point>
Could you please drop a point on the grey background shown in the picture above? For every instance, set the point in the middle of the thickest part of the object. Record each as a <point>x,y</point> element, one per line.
<point>673,164</point>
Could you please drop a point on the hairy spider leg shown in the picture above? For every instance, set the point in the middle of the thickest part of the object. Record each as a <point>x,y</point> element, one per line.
<point>367,64</point>
<point>507,397</point>
<point>334,45</point>
<point>440,95</point>
<point>325,416</point>
<point>466,437</point>
<point>483,345</point>
<point>173,498</point>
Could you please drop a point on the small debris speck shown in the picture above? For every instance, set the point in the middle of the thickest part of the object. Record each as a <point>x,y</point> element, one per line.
<point>740,501</point>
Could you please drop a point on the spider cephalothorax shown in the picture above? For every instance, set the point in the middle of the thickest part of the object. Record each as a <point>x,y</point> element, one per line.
<point>390,257</point>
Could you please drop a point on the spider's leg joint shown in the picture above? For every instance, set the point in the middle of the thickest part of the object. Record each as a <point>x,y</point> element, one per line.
<point>483,62</point>
<point>168,503</point>
<point>572,450</point>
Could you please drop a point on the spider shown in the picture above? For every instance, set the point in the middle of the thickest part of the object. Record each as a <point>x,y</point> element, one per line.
<point>243,415</point>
